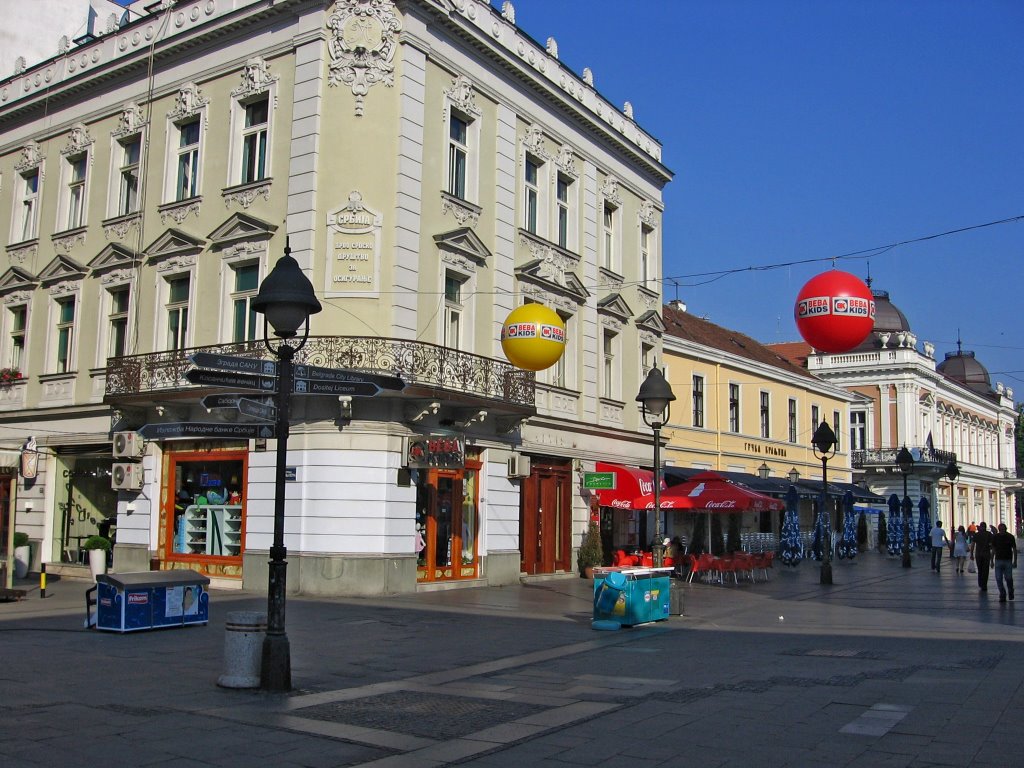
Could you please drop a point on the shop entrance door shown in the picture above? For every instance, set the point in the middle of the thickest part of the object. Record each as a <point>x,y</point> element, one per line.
<point>449,535</point>
<point>545,517</point>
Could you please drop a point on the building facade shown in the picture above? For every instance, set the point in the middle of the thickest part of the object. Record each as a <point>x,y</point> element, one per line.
<point>431,167</point>
<point>947,413</point>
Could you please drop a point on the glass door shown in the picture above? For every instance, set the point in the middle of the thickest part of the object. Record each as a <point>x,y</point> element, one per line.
<point>447,526</point>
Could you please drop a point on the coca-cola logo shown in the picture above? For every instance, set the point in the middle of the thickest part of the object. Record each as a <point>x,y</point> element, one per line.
<point>621,504</point>
<point>727,504</point>
<point>646,487</point>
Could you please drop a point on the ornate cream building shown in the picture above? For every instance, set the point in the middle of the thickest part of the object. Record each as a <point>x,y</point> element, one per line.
<point>431,167</point>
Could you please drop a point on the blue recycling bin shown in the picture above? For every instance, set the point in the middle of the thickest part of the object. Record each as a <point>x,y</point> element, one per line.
<point>631,596</point>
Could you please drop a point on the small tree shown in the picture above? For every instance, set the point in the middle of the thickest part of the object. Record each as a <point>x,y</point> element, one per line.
<point>591,552</point>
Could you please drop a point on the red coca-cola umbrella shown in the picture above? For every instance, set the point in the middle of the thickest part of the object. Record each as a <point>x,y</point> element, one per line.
<point>710,492</point>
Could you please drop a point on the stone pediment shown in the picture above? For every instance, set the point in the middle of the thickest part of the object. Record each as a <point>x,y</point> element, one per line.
<point>538,272</point>
<point>651,321</point>
<point>616,306</point>
<point>15,278</point>
<point>174,243</point>
<point>61,268</point>
<point>113,256</point>
<point>465,242</point>
<point>241,227</point>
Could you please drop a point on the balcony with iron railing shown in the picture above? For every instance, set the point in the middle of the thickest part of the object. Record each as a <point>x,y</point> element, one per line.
<point>886,457</point>
<point>429,370</point>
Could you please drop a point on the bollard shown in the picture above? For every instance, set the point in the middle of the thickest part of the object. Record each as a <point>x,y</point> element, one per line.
<point>42,580</point>
<point>675,599</point>
<point>243,649</point>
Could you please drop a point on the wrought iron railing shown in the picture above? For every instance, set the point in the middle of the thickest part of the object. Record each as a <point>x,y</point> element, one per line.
<point>416,362</point>
<point>884,456</point>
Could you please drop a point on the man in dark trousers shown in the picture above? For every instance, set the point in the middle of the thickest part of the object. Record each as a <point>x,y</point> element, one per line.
<point>1004,554</point>
<point>981,554</point>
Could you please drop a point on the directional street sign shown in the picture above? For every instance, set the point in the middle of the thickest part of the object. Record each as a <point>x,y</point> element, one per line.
<point>257,410</point>
<point>198,429</point>
<point>233,363</point>
<point>353,389</point>
<point>221,401</point>
<point>231,380</point>
<point>313,373</point>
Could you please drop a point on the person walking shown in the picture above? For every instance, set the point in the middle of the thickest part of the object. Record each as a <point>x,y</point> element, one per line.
<point>960,549</point>
<point>981,554</point>
<point>939,540</point>
<point>1004,554</point>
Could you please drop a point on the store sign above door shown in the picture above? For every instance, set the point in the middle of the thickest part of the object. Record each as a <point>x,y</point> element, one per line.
<point>436,452</point>
<point>599,481</point>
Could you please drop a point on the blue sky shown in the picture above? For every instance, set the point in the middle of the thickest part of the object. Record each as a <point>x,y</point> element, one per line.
<point>806,129</point>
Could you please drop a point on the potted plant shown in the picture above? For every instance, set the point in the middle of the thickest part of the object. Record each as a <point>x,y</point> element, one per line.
<point>22,555</point>
<point>591,552</point>
<point>9,375</point>
<point>97,547</point>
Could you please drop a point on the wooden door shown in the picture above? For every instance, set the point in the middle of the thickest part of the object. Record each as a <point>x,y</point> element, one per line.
<point>545,517</point>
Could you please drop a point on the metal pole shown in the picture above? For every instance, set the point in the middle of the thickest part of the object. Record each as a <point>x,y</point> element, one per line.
<point>826,560</point>
<point>658,549</point>
<point>276,666</point>
<point>907,509</point>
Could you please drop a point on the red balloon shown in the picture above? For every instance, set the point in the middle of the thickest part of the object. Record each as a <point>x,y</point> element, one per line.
<point>834,311</point>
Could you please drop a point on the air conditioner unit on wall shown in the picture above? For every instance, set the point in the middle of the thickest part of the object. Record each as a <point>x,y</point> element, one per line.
<point>126,476</point>
<point>128,445</point>
<point>518,465</point>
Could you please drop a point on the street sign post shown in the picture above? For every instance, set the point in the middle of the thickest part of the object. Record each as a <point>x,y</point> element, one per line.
<point>353,389</point>
<point>313,373</point>
<point>200,430</point>
<point>211,402</point>
<point>599,481</point>
<point>231,380</point>
<point>256,409</point>
<point>234,363</point>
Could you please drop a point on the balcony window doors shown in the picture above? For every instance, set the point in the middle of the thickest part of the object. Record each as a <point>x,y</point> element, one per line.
<point>254,140</point>
<point>117,319</point>
<point>458,155</point>
<point>734,408</point>
<point>698,402</point>
<point>187,184</point>
<point>766,415</point>
<point>128,175</point>
<point>76,191</point>
<point>178,289</point>
<point>65,335</point>
<point>28,228</point>
<point>19,326</point>
<point>244,326</point>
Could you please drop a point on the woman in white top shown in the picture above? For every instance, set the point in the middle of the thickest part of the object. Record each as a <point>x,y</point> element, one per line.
<point>960,549</point>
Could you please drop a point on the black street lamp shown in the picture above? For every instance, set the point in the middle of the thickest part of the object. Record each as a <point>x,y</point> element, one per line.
<point>286,300</point>
<point>793,475</point>
<point>824,443</point>
<point>764,471</point>
<point>654,397</point>
<point>905,462</point>
<point>952,472</point>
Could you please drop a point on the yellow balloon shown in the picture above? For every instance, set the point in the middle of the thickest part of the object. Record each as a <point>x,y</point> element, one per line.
<point>533,337</point>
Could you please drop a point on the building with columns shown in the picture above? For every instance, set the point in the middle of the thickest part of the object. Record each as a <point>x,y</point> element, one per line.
<point>946,412</point>
<point>431,167</point>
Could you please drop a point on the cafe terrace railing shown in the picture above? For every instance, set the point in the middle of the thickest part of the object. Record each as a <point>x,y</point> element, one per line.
<point>416,362</point>
<point>887,456</point>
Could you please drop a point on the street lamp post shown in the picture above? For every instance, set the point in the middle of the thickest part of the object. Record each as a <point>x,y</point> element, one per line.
<point>764,471</point>
<point>824,443</point>
<point>905,462</point>
<point>793,475</point>
<point>286,300</point>
<point>654,397</point>
<point>952,472</point>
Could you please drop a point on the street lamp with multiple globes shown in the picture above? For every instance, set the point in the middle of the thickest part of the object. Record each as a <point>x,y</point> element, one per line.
<point>654,398</point>
<point>905,462</point>
<point>824,443</point>
<point>952,472</point>
<point>286,300</point>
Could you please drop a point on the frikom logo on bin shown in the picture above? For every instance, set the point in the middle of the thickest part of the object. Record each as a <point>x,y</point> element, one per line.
<point>138,598</point>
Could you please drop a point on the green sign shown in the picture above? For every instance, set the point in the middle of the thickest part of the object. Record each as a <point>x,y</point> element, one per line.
<point>599,481</point>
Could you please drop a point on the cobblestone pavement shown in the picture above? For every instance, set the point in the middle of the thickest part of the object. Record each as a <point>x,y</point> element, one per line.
<point>886,667</point>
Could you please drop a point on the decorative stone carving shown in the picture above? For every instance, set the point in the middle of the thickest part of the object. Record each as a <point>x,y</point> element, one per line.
<point>459,261</point>
<point>176,263</point>
<point>533,141</point>
<point>63,45</point>
<point>508,12</point>
<point>117,229</point>
<point>20,65</point>
<point>111,23</point>
<point>552,47</point>
<point>131,121</point>
<point>549,298</point>
<point>117,276</point>
<point>189,101</point>
<point>929,349</point>
<point>21,255</point>
<point>245,196</point>
<point>460,93</point>
<point>610,190</point>
<point>627,110</point>
<point>64,288</point>
<point>243,250</point>
<point>256,78</point>
<point>883,336</point>
<point>466,214</point>
<point>566,160</point>
<point>611,323</point>
<point>16,297</point>
<point>362,45</point>
<point>588,76</point>
<point>78,141</point>
<point>67,242</point>
<point>31,157</point>
<point>648,214</point>
<point>178,212</point>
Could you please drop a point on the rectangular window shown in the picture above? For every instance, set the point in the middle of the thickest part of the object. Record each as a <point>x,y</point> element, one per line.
<point>531,194</point>
<point>244,325</point>
<point>29,205</point>
<point>65,333</point>
<point>608,230</point>
<point>766,419</point>
<point>254,140</point>
<point>858,431</point>
<point>645,256</point>
<point>19,326</point>
<point>837,430</point>
<point>177,312</point>
<point>453,310</point>
<point>76,191</point>
<point>792,420</point>
<point>118,319</point>
<point>562,203</point>
<point>698,401</point>
<point>558,370</point>
<point>128,191</point>
<point>734,408</point>
<point>188,161</point>
<point>608,367</point>
<point>458,152</point>
<point>815,417</point>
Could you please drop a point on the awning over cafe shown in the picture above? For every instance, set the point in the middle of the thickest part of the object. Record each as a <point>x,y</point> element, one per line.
<point>630,482</point>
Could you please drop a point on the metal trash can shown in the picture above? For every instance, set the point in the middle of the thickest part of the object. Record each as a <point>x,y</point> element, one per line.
<point>243,649</point>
